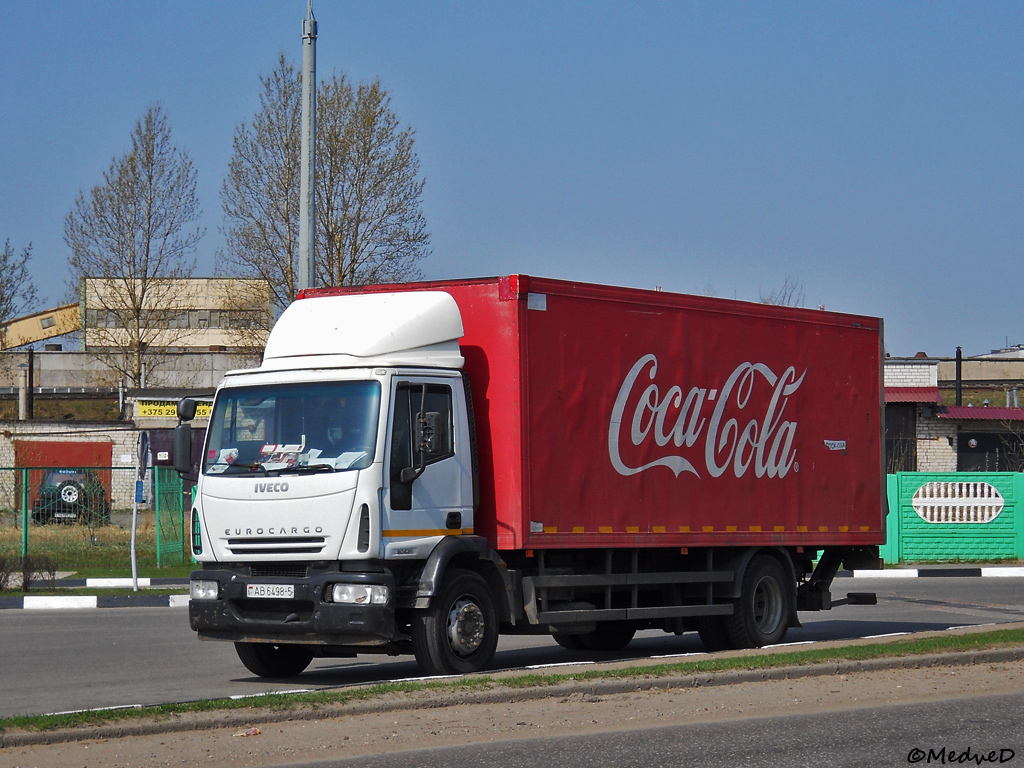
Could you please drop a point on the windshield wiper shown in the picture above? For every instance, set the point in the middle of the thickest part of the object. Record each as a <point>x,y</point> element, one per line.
<point>307,469</point>
<point>255,467</point>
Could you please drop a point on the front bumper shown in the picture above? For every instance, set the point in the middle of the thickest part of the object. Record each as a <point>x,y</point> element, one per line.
<point>304,618</point>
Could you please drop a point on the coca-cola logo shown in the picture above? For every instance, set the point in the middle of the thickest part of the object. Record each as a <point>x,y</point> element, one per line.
<point>740,425</point>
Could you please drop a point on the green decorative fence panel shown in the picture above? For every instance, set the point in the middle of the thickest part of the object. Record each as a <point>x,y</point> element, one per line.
<point>170,517</point>
<point>963,516</point>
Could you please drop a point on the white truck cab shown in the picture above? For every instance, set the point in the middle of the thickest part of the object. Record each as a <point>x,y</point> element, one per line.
<point>304,510</point>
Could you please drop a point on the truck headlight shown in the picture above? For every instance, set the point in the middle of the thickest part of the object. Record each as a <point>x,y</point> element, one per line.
<point>204,589</point>
<point>359,594</point>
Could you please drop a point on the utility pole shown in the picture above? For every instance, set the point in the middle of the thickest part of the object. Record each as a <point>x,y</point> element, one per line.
<point>307,184</point>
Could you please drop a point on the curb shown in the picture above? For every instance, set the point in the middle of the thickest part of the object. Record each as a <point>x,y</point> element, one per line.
<point>110,583</point>
<point>503,695</point>
<point>78,602</point>
<point>994,571</point>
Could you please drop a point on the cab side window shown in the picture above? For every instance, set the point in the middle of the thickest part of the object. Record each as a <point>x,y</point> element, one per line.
<point>408,400</point>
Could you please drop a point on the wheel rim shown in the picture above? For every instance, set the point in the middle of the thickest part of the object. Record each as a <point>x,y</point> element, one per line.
<point>466,627</point>
<point>767,605</point>
<point>69,494</point>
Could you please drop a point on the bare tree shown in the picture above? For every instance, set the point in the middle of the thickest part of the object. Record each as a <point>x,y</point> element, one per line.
<point>370,226</point>
<point>260,195</point>
<point>17,292</point>
<point>790,294</point>
<point>135,235</point>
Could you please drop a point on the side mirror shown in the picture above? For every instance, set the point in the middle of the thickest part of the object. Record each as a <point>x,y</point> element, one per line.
<point>425,438</point>
<point>183,446</point>
<point>186,409</point>
<point>425,432</point>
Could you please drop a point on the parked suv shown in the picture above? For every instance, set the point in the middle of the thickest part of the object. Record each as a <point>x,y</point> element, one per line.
<point>69,496</point>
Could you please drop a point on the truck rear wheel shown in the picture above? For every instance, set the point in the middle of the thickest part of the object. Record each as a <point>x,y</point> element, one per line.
<point>458,633</point>
<point>609,636</point>
<point>269,660</point>
<point>713,634</point>
<point>569,642</point>
<point>765,605</point>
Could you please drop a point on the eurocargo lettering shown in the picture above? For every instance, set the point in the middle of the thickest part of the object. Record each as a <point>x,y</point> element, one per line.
<point>418,468</point>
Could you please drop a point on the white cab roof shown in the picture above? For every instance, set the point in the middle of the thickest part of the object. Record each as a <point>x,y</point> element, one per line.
<point>417,328</point>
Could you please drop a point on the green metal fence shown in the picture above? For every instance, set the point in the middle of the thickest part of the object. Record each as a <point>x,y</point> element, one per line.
<point>170,517</point>
<point>963,516</point>
<point>79,517</point>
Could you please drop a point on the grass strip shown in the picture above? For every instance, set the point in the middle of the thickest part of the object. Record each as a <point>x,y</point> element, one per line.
<point>282,702</point>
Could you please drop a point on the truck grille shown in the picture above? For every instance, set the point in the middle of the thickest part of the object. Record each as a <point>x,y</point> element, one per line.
<point>295,545</point>
<point>277,570</point>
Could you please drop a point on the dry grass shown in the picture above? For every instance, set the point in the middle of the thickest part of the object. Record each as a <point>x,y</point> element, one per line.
<point>72,547</point>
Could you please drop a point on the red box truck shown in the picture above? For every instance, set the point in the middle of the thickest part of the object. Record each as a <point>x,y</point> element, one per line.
<point>530,455</point>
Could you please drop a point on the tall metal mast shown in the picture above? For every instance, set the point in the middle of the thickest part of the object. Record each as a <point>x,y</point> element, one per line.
<point>307,183</point>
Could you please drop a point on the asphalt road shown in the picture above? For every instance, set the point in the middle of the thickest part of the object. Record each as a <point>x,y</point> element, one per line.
<point>972,731</point>
<point>55,661</point>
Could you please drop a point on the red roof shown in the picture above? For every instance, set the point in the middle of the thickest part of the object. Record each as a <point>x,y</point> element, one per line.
<point>912,395</point>
<point>967,413</point>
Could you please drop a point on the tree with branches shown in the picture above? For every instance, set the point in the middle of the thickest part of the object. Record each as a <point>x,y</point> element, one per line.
<point>789,294</point>
<point>369,225</point>
<point>132,240</point>
<point>17,291</point>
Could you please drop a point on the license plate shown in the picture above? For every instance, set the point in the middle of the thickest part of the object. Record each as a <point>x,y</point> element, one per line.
<point>270,590</point>
<point>64,514</point>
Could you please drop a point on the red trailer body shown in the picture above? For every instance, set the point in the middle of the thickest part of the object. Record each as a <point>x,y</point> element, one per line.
<point>612,417</point>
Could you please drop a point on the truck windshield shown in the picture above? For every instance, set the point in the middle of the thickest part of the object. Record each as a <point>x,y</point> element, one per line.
<point>306,427</point>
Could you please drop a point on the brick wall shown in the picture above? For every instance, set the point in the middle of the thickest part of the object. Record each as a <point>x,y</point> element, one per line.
<point>124,438</point>
<point>936,442</point>
<point>906,373</point>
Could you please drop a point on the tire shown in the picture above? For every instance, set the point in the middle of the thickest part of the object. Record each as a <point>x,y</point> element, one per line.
<point>713,634</point>
<point>269,660</point>
<point>609,636</point>
<point>766,603</point>
<point>70,493</point>
<point>458,633</point>
<point>569,642</point>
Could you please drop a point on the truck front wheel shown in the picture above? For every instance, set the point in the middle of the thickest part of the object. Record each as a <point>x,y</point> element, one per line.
<point>269,660</point>
<point>458,633</point>
<point>765,605</point>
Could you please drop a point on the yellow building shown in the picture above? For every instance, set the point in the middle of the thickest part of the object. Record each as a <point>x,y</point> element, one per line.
<point>183,314</point>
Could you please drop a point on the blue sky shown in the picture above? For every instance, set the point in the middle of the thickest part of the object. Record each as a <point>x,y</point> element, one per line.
<point>871,151</point>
